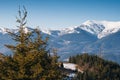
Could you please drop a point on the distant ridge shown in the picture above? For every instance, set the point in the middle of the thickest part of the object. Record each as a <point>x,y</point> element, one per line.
<point>90,37</point>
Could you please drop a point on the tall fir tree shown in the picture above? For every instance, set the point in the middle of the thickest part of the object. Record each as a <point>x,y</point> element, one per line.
<point>30,59</point>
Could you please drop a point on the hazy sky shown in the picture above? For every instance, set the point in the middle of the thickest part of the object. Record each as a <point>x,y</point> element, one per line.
<point>56,14</point>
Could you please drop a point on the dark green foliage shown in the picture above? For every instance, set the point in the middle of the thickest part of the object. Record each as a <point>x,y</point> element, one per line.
<point>30,59</point>
<point>96,68</point>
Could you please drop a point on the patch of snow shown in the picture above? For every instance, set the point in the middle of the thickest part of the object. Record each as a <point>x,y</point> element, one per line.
<point>70,66</point>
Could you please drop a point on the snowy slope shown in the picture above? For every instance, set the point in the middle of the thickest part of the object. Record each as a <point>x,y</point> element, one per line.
<point>110,28</point>
<point>101,28</point>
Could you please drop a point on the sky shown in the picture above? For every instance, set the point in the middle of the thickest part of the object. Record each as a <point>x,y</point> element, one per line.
<point>58,14</point>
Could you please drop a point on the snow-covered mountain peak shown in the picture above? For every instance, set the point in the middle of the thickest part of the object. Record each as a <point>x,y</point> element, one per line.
<point>89,22</point>
<point>93,27</point>
<point>106,24</point>
<point>100,28</point>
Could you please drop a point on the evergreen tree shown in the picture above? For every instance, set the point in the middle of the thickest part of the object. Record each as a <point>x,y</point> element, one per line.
<point>30,59</point>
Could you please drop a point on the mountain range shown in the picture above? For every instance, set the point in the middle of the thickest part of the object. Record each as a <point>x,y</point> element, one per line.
<point>93,37</point>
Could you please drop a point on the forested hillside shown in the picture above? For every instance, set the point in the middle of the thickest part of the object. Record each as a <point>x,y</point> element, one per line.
<point>96,68</point>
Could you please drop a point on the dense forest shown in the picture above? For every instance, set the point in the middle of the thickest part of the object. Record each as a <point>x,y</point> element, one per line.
<point>96,68</point>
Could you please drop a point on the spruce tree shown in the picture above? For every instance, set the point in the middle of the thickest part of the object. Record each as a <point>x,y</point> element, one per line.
<point>30,59</point>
